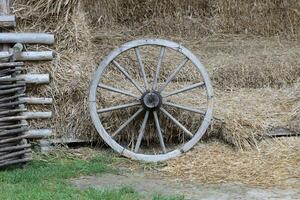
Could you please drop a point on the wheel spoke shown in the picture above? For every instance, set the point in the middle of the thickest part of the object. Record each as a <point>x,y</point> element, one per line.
<point>141,133</point>
<point>112,89</point>
<point>127,122</point>
<point>127,76</point>
<point>190,87</point>
<point>161,57</point>
<point>118,107</point>
<point>138,55</point>
<point>160,136</point>
<point>175,72</point>
<point>184,107</point>
<point>188,133</point>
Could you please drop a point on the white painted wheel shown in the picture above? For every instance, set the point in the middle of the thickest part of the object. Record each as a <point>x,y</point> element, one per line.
<point>150,99</point>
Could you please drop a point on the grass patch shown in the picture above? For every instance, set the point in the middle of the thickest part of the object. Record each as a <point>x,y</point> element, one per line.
<point>47,178</point>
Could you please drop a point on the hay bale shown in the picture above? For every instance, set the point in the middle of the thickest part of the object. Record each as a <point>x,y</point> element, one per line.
<point>84,38</point>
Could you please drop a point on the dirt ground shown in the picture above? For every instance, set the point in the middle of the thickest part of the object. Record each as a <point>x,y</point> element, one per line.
<point>243,176</point>
<point>148,186</point>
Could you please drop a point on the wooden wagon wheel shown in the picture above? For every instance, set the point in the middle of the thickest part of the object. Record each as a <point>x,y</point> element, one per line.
<point>152,100</point>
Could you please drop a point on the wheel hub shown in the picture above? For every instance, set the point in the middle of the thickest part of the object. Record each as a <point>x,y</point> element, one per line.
<point>151,100</point>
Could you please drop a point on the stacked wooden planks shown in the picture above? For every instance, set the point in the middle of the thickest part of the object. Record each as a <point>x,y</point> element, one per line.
<point>15,132</point>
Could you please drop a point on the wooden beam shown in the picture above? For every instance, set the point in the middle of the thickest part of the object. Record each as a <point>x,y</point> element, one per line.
<point>27,55</point>
<point>11,64</point>
<point>26,38</point>
<point>38,133</point>
<point>8,21</point>
<point>37,115</point>
<point>35,78</point>
<point>36,100</point>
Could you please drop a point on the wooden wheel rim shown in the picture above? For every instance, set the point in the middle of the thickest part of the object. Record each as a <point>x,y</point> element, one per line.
<point>105,135</point>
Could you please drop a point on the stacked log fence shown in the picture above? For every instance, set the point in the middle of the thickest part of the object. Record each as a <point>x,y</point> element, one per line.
<point>15,133</point>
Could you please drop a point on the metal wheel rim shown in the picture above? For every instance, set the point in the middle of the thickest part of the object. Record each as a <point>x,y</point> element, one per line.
<point>105,135</point>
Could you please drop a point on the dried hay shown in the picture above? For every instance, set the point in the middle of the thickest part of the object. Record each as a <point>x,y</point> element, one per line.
<point>295,115</point>
<point>234,62</point>
<point>191,18</point>
<point>273,163</point>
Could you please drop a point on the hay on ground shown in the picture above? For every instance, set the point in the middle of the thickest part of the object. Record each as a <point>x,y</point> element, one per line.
<point>273,163</point>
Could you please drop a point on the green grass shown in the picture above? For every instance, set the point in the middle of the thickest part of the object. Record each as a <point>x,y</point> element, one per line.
<point>48,178</point>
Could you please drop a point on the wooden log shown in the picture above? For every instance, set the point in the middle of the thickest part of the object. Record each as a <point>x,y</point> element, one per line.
<point>2,105</point>
<point>10,144</point>
<point>11,64</point>
<point>12,90</point>
<point>27,115</point>
<point>10,155</point>
<point>35,56</point>
<point>12,111</point>
<point>12,86</point>
<point>27,38</point>
<point>13,118</point>
<point>37,115</point>
<point>38,133</point>
<point>17,161</point>
<point>11,126</point>
<point>10,79</point>
<point>12,139</point>
<point>8,21</point>
<point>13,148</point>
<point>11,97</point>
<point>35,78</point>
<point>5,7</point>
<point>36,100</point>
<point>28,55</point>
<point>5,55</point>
<point>9,71</point>
<point>13,131</point>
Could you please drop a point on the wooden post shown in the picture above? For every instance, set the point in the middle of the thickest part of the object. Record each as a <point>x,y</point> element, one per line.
<point>4,11</point>
<point>37,100</point>
<point>27,38</point>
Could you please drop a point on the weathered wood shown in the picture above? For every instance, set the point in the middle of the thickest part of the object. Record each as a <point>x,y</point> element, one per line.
<point>27,115</point>
<point>10,144</point>
<point>27,38</point>
<point>28,55</point>
<point>8,21</point>
<point>11,64</point>
<point>17,161</point>
<point>36,100</point>
<point>10,79</point>
<point>35,78</point>
<point>9,71</point>
<point>281,132</point>
<point>13,148</point>
<point>13,131</point>
<point>37,115</point>
<point>11,126</point>
<point>10,155</point>
<point>11,97</point>
<point>12,86</point>
<point>12,111</point>
<point>38,133</point>
<point>13,118</point>
<point>5,7</point>
<point>9,91</point>
<point>2,105</point>
<point>18,138</point>
<point>35,56</point>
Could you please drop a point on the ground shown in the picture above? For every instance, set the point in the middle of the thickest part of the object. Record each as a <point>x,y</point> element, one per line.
<point>93,173</point>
